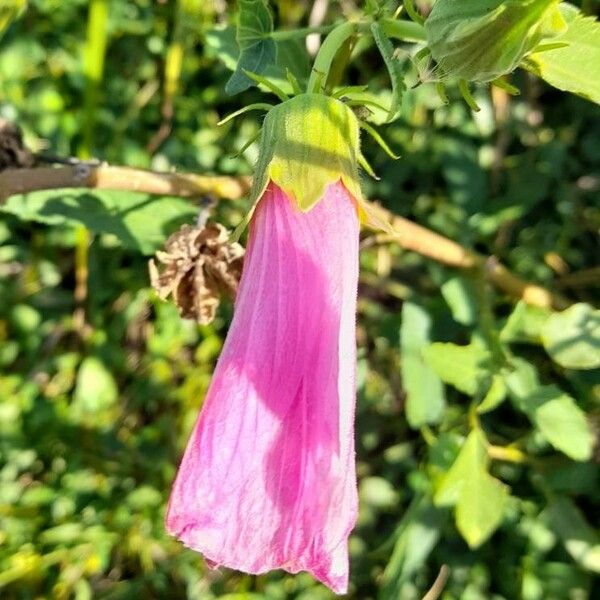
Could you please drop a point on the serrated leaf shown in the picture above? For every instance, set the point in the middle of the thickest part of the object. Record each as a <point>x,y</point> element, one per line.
<point>572,337</point>
<point>257,49</point>
<point>139,221</point>
<point>464,367</point>
<point>394,67</point>
<point>480,507</point>
<point>578,536</point>
<point>575,66</point>
<point>424,390</point>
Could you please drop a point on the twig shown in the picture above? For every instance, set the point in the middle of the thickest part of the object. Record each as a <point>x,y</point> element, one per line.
<point>438,585</point>
<point>22,181</point>
<point>407,234</point>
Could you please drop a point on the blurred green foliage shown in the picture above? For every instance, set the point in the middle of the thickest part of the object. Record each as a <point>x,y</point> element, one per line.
<point>477,420</point>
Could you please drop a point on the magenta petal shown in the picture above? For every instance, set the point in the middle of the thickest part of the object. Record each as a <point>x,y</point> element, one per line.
<point>268,478</point>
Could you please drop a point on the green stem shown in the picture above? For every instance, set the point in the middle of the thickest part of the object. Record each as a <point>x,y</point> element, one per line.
<point>408,31</point>
<point>330,47</point>
<point>93,69</point>
<point>94,53</point>
<point>291,34</point>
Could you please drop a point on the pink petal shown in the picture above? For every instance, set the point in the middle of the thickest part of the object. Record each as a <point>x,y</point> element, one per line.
<point>268,479</point>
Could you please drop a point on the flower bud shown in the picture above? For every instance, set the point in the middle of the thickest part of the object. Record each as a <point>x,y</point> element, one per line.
<point>480,40</point>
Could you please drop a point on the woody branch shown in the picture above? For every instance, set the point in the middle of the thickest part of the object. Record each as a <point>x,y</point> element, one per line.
<point>407,234</point>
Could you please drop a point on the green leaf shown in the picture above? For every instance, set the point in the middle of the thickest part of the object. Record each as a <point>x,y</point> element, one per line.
<point>459,294</point>
<point>96,388</point>
<point>143,497</point>
<point>522,381</point>
<point>394,67</point>
<point>578,536</point>
<point>416,536</point>
<point>572,337</point>
<point>257,49</point>
<point>562,422</point>
<point>525,324</point>
<point>377,492</point>
<point>495,395</point>
<point>424,390</point>
<point>480,507</point>
<point>572,62</point>
<point>472,457</point>
<point>10,10</point>
<point>480,499</point>
<point>290,55</point>
<point>553,412</point>
<point>464,367</point>
<point>139,221</point>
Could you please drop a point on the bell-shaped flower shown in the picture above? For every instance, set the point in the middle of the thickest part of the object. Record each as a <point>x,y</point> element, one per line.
<point>268,477</point>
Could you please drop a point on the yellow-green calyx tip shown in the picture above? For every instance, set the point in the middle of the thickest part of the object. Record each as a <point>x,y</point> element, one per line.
<point>308,143</point>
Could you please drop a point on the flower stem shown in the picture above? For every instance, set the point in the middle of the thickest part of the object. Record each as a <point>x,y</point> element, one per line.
<point>291,34</point>
<point>330,47</point>
<point>408,31</point>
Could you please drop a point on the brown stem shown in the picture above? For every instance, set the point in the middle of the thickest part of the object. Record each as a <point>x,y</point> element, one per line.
<point>22,181</point>
<point>438,585</point>
<point>407,234</point>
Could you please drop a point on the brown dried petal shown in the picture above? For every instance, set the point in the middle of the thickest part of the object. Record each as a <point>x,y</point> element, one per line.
<point>199,265</point>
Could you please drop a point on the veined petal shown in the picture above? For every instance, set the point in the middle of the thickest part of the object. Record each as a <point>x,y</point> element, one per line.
<point>268,477</point>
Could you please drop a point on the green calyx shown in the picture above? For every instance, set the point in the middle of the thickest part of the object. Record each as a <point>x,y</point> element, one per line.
<point>308,143</point>
<point>481,40</point>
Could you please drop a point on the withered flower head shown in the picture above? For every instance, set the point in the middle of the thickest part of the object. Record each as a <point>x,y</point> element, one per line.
<point>13,153</point>
<point>200,264</point>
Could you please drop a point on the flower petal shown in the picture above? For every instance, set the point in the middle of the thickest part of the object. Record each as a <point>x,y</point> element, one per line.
<point>268,478</point>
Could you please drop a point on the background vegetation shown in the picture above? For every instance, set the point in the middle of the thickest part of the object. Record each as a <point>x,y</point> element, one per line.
<point>100,382</point>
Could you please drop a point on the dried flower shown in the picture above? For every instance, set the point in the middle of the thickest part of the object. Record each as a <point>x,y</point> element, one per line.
<point>200,264</point>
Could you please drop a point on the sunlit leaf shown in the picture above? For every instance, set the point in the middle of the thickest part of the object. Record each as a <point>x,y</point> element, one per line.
<point>479,498</point>
<point>553,412</point>
<point>525,324</point>
<point>464,367</point>
<point>572,63</point>
<point>480,507</point>
<point>424,390</point>
<point>572,337</point>
<point>96,388</point>
<point>459,294</point>
<point>472,456</point>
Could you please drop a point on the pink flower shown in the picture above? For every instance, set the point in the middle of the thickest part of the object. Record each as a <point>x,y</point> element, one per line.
<point>268,478</point>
